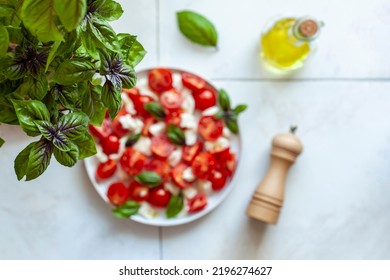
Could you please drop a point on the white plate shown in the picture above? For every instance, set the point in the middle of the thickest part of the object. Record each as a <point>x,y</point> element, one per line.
<point>214,198</point>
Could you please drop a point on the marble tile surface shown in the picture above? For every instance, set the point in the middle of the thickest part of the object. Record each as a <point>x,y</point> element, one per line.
<point>337,195</point>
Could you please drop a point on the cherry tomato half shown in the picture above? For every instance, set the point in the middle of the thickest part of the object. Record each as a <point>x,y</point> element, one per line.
<point>190,152</point>
<point>117,126</point>
<point>159,197</point>
<point>173,117</point>
<point>203,165</point>
<point>131,91</point>
<point>161,146</point>
<point>228,162</point>
<point>177,175</point>
<point>132,161</point>
<point>110,144</point>
<point>205,99</point>
<point>147,123</point>
<point>117,193</point>
<point>159,166</point>
<point>139,102</point>
<point>210,128</point>
<point>160,80</point>
<point>218,180</point>
<point>197,203</point>
<point>171,99</point>
<point>101,132</point>
<point>106,169</point>
<point>193,82</point>
<point>138,192</point>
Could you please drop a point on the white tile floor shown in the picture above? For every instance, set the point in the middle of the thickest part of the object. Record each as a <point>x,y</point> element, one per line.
<point>338,194</point>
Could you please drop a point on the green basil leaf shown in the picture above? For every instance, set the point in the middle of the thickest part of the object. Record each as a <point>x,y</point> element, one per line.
<point>73,125</point>
<point>101,34</point>
<point>70,12</point>
<point>86,145</point>
<point>39,159</point>
<point>29,111</point>
<point>136,54</point>
<point>34,88</point>
<point>68,158</point>
<point>38,17</point>
<point>108,9</point>
<point>4,40</point>
<point>232,125</point>
<point>8,114</point>
<point>218,115</point>
<point>46,128</point>
<point>52,53</point>
<point>126,210</point>
<point>132,139</point>
<point>156,110</point>
<point>67,96</point>
<point>93,106</point>
<point>111,98</point>
<point>224,100</point>
<point>175,205</point>
<point>176,135</point>
<point>21,161</point>
<point>1,142</point>
<point>128,76</point>
<point>132,51</point>
<point>149,178</point>
<point>197,28</point>
<point>240,108</point>
<point>74,70</point>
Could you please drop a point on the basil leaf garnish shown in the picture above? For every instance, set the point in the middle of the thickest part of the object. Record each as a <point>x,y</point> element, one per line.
<point>197,28</point>
<point>149,178</point>
<point>125,211</point>
<point>175,205</point>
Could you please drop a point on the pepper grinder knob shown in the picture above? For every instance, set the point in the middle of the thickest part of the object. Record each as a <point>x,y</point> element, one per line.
<point>268,198</point>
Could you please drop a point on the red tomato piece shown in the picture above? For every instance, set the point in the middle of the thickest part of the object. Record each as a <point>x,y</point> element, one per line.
<point>106,169</point>
<point>193,82</point>
<point>159,166</point>
<point>210,128</point>
<point>173,117</point>
<point>203,165</point>
<point>228,162</point>
<point>160,80</point>
<point>117,193</point>
<point>138,192</point>
<point>130,92</point>
<point>159,197</point>
<point>218,180</point>
<point>197,203</point>
<point>117,126</point>
<point>139,102</point>
<point>110,144</point>
<point>177,175</point>
<point>147,123</point>
<point>101,132</point>
<point>205,99</point>
<point>190,152</point>
<point>161,146</point>
<point>132,161</point>
<point>171,99</point>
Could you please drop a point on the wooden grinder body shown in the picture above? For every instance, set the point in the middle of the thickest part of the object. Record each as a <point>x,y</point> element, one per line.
<point>269,195</point>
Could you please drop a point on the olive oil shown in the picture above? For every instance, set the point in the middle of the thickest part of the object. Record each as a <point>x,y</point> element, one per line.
<point>288,42</point>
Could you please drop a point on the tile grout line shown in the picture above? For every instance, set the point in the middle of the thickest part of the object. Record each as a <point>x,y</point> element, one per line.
<point>160,230</point>
<point>158,31</point>
<point>301,80</point>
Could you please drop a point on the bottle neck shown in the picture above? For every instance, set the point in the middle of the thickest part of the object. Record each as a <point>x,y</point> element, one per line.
<point>306,29</point>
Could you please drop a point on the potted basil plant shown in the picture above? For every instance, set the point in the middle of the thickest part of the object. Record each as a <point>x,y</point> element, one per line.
<point>61,66</point>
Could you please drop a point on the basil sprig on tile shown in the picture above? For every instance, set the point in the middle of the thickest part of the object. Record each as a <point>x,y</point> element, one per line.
<point>175,205</point>
<point>176,135</point>
<point>197,28</point>
<point>149,178</point>
<point>126,210</point>
<point>227,114</point>
<point>61,66</point>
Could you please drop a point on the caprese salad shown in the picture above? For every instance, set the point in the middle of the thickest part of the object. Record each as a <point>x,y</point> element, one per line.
<point>169,146</point>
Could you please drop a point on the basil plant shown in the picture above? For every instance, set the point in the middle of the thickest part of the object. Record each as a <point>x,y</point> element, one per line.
<point>61,67</point>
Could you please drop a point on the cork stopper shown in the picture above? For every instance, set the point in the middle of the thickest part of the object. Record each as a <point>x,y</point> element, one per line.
<point>308,28</point>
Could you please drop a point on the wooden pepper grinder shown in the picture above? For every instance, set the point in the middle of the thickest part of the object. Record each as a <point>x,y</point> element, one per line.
<point>269,195</point>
